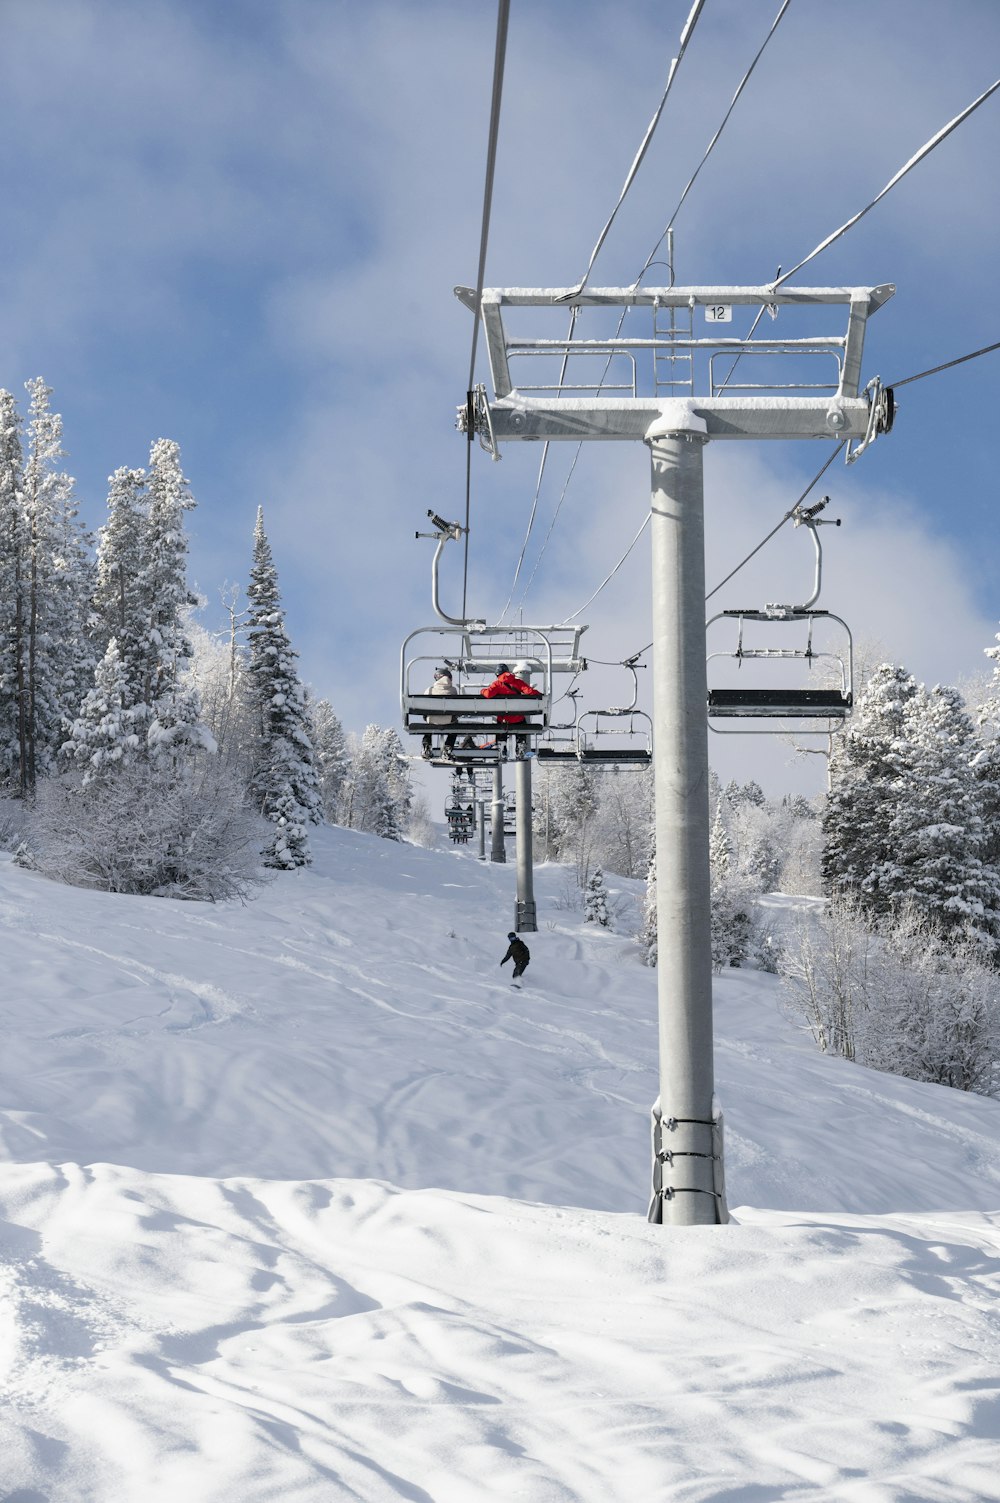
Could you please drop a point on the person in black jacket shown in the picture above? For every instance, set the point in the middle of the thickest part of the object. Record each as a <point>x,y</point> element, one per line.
<point>519,953</point>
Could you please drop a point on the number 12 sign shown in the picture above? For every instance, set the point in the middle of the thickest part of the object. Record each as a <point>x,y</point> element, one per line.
<point>718,313</point>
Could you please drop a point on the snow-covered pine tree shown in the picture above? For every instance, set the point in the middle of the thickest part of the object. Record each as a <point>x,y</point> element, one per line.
<point>120,545</point>
<point>864,770</point>
<point>986,764</point>
<point>54,661</point>
<point>175,732</point>
<point>397,774</point>
<point>108,731</point>
<point>375,795</point>
<point>731,896</point>
<point>936,829</point>
<point>13,555</point>
<point>596,900</point>
<point>719,847</point>
<point>330,752</point>
<point>573,803</point>
<point>284,782</point>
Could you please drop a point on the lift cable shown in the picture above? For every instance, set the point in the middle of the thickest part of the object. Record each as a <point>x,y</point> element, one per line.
<point>924,151</point>
<point>552,523</point>
<point>785,518</point>
<point>788,514</point>
<point>675,63</point>
<point>986,350</point>
<point>503,14</point>
<point>650,261</point>
<point>614,571</point>
<point>685,37</point>
<point>711,145</point>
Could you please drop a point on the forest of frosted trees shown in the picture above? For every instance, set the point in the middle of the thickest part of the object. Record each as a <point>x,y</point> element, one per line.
<point>146,754</point>
<point>141,753</point>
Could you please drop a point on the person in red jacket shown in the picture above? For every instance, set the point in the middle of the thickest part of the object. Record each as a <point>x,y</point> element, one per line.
<point>505,686</point>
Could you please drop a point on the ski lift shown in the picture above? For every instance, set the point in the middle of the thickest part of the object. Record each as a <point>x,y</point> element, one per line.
<point>478,729</point>
<point>807,635</point>
<point>630,728</point>
<point>460,816</point>
<point>473,653</point>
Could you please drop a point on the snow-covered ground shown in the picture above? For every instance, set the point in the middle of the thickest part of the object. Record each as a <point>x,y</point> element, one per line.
<point>302,1202</point>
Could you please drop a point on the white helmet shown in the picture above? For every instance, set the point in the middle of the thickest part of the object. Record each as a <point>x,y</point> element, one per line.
<point>522,670</point>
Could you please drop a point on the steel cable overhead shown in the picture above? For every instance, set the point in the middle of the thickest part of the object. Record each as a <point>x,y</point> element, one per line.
<point>714,141</point>
<point>685,37</point>
<point>650,261</point>
<point>933,371</point>
<point>675,63</point>
<point>924,151</point>
<point>788,514</point>
<point>986,350</point>
<point>500,52</point>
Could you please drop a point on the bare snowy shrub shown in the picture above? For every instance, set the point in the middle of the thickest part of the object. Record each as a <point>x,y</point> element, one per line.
<point>823,972</point>
<point>146,831</point>
<point>932,1010</point>
<point>898,996</point>
<point>569,898</point>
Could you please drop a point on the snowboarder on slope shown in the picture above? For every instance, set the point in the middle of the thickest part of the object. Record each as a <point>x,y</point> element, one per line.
<point>519,953</point>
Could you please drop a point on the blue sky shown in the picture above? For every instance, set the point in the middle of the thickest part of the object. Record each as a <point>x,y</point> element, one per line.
<point>239,224</point>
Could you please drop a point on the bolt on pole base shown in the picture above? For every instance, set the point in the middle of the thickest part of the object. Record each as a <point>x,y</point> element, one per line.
<point>525,917</point>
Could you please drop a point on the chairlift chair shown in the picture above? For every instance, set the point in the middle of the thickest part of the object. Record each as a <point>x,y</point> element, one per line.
<point>630,728</point>
<point>473,653</point>
<point>780,703</point>
<point>811,636</point>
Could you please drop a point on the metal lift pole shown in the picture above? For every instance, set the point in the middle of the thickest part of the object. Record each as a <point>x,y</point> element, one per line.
<point>481,816</point>
<point>683,907</point>
<point>498,851</point>
<point>525,917</point>
<point>687,1136</point>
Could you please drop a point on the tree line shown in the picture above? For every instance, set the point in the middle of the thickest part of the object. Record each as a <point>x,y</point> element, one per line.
<point>151,755</point>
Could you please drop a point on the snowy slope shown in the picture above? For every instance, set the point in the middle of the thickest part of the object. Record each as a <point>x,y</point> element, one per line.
<point>301,1201</point>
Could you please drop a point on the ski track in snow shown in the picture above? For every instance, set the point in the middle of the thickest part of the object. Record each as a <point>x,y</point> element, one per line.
<point>299,1202</point>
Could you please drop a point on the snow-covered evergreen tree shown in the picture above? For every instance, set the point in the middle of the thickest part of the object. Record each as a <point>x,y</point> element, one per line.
<point>936,828</point>
<point>331,756</point>
<point>573,801</point>
<point>986,764</point>
<point>117,603</point>
<point>284,781</point>
<point>596,900</point>
<point>864,772</point>
<point>108,731</point>
<point>175,730</point>
<point>376,794</point>
<point>719,847</point>
<point>13,556</point>
<point>48,656</point>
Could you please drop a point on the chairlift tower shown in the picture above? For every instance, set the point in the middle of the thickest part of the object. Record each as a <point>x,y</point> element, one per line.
<point>797,386</point>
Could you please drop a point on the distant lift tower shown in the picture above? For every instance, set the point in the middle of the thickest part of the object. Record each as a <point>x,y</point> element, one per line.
<point>717,386</point>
